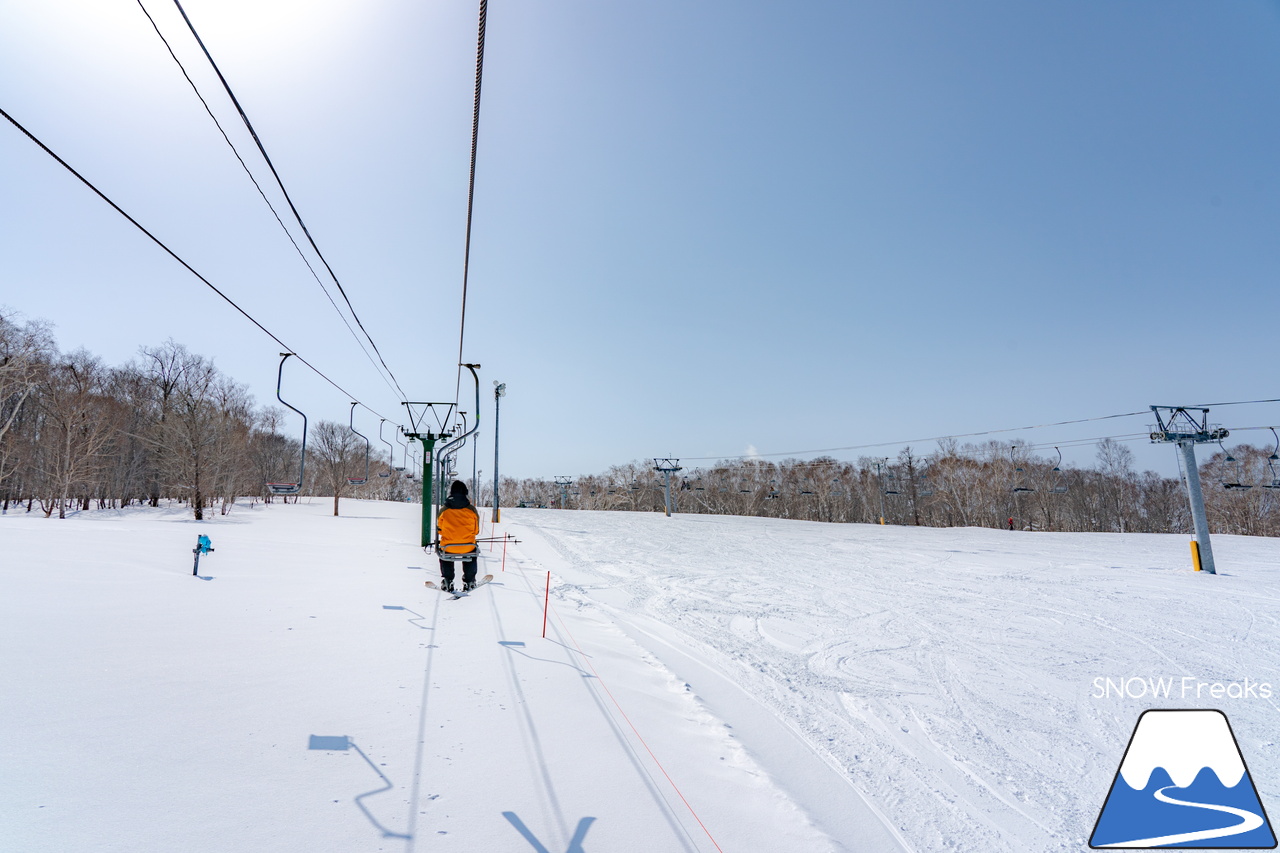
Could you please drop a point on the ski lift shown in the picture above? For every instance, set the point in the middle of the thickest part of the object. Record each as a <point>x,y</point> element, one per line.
<point>925,489</point>
<point>290,488</point>
<point>1235,472</point>
<point>1059,486</point>
<point>1271,463</point>
<point>890,483</point>
<point>404,457</point>
<point>391,451</point>
<point>358,481</point>
<point>1019,475</point>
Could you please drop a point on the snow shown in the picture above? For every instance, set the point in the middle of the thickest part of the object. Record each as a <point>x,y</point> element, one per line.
<point>706,683</point>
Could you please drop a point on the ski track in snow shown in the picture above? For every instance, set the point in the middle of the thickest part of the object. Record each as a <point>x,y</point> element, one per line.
<point>946,674</point>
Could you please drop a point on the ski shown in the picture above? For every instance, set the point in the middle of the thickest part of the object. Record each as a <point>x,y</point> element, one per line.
<point>458,591</point>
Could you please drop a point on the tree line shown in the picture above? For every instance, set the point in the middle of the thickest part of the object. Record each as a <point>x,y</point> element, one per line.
<point>983,485</point>
<point>168,426</point>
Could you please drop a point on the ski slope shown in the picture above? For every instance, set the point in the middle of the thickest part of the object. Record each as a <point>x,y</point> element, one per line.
<point>706,683</point>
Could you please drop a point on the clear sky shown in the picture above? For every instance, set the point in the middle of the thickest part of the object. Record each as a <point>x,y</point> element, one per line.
<point>700,228</point>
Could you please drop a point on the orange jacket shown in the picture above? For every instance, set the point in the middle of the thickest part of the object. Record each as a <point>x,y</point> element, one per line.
<point>457,526</point>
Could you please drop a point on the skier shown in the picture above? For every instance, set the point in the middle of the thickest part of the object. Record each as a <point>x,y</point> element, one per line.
<point>1010,523</point>
<point>456,531</point>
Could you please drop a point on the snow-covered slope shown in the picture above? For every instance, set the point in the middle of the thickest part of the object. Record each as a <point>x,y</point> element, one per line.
<point>706,682</point>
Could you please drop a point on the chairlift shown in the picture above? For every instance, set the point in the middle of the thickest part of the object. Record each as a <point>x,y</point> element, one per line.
<point>358,481</point>
<point>1059,484</point>
<point>890,484</point>
<point>400,430</point>
<point>391,451</point>
<point>290,488</point>
<point>1235,472</point>
<point>1019,475</point>
<point>924,488</point>
<point>1271,463</point>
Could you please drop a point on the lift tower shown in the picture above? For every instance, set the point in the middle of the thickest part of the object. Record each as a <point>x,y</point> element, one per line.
<point>428,439</point>
<point>667,467</point>
<point>1176,425</point>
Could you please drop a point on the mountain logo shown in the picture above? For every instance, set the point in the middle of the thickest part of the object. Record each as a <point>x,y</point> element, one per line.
<point>1183,783</point>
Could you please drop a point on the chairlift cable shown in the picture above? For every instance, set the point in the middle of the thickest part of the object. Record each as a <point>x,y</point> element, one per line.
<point>258,187</point>
<point>177,258</point>
<point>280,183</point>
<point>471,190</point>
<point>915,440</point>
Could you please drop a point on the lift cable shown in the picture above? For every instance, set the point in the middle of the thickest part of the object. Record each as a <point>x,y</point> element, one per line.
<point>245,118</point>
<point>1233,403</point>
<point>471,190</point>
<point>915,440</point>
<point>175,256</point>
<point>258,186</point>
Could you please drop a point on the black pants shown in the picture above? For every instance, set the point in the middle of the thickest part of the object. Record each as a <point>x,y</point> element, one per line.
<point>468,570</point>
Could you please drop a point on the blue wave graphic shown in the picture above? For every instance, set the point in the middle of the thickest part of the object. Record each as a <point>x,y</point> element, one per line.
<point>1130,815</point>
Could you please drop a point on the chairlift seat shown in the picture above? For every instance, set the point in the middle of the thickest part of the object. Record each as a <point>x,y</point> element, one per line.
<point>356,481</point>
<point>284,488</point>
<point>457,556</point>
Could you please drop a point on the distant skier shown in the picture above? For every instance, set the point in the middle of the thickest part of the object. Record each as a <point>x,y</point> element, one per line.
<point>1010,523</point>
<point>456,531</point>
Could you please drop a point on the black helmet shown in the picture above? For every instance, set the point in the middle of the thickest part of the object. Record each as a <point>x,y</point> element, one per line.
<point>458,488</point>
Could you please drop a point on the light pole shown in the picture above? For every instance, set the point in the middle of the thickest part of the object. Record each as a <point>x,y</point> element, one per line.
<point>499,391</point>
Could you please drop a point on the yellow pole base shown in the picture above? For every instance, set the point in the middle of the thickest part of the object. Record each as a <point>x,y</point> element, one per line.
<point>1195,554</point>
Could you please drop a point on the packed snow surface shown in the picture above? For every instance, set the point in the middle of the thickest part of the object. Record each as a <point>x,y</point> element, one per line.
<point>706,682</point>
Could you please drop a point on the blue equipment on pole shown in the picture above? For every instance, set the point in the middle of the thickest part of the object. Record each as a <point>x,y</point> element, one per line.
<point>203,546</point>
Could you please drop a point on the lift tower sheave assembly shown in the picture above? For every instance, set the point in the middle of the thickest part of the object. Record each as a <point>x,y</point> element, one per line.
<point>416,432</point>
<point>1176,425</point>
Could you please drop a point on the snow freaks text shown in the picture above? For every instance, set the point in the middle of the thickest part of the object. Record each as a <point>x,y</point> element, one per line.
<point>1173,687</point>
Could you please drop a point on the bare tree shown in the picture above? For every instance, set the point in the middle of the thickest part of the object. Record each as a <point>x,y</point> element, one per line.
<point>336,453</point>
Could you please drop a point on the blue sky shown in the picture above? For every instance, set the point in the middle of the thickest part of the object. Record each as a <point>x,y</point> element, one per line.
<point>699,228</point>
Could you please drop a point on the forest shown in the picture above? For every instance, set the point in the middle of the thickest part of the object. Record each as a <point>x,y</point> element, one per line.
<point>77,434</point>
